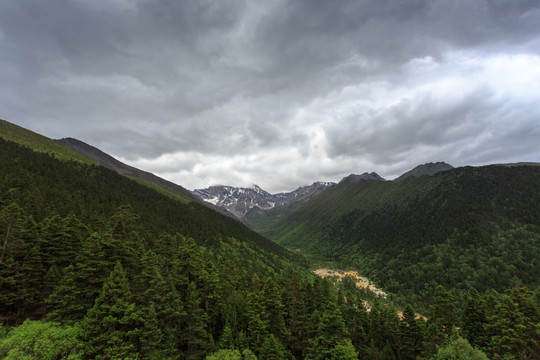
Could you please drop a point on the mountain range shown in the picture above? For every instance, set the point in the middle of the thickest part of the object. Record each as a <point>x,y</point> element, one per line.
<point>232,201</point>
<point>462,227</point>
<point>239,201</point>
<point>108,261</point>
<point>254,202</point>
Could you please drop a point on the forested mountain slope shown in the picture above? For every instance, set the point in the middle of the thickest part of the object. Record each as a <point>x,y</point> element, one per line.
<point>100,267</point>
<point>72,149</point>
<point>145,177</point>
<point>470,226</point>
<point>68,228</point>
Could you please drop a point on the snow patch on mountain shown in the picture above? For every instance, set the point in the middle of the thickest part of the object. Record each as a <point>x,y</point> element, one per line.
<point>240,200</point>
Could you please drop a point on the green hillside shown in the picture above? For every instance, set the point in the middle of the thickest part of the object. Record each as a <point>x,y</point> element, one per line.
<point>155,182</point>
<point>467,227</point>
<point>39,142</point>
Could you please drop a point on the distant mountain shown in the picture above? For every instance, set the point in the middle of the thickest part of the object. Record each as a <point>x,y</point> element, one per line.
<point>426,169</point>
<point>110,162</point>
<point>364,176</point>
<point>239,201</point>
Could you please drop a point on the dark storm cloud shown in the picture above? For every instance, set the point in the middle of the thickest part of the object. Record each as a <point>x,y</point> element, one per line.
<point>278,92</point>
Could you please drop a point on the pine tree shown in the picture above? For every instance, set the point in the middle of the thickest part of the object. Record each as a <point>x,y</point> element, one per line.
<point>384,325</point>
<point>474,319</point>
<point>344,351</point>
<point>195,339</point>
<point>152,345</point>
<point>60,239</point>
<point>442,313</point>
<point>113,325</point>
<point>272,349</point>
<point>257,320</point>
<point>80,283</point>
<point>411,336</point>
<point>275,310</point>
<point>226,341</point>
<point>515,326</point>
<point>21,269</point>
<point>297,315</point>
<point>459,348</point>
<point>327,330</point>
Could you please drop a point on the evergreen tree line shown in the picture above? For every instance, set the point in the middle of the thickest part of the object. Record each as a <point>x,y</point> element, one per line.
<point>83,277</point>
<point>45,186</point>
<point>109,296</point>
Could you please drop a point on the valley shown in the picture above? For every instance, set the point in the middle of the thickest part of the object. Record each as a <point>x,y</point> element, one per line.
<point>361,282</point>
<point>102,261</point>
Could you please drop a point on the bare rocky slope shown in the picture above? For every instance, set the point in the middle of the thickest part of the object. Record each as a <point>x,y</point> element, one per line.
<point>241,201</point>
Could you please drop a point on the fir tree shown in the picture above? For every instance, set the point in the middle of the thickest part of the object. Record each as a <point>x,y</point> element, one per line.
<point>474,319</point>
<point>113,325</point>
<point>410,335</point>
<point>272,349</point>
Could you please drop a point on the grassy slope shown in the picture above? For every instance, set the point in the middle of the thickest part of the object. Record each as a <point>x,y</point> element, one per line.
<point>44,144</point>
<point>301,225</point>
<point>39,142</point>
<point>304,224</point>
<point>159,189</point>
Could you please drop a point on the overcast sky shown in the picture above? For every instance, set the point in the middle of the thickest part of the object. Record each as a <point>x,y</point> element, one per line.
<point>278,93</point>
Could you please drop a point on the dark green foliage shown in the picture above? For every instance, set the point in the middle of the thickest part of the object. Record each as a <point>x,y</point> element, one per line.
<point>474,319</point>
<point>327,330</point>
<point>272,349</point>
<point>344,351</point>
<point>232,355</point>
<point>443,311</point>
<point>113,324</point>
<point>124,272</point>
<point>514,326</point>
<point>462,228</point>
<point>411,334</point>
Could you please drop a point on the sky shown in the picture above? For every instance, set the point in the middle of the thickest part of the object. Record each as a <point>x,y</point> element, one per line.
<point>279,93</point>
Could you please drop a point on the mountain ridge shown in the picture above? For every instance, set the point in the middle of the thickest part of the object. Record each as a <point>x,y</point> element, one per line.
<point>240,200</point>
<point>384,228</point>
<point>100,157</point>
<point>429,169</point>
<point>364,176</point>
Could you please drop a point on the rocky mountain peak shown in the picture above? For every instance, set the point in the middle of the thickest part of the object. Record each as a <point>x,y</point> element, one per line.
<point>426,169</point>
<point>240,201</point>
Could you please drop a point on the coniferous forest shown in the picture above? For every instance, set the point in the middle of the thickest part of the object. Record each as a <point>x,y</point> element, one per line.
<point>94,265</point>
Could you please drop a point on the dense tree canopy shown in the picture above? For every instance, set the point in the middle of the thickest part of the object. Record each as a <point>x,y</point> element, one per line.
<point>95,266</point>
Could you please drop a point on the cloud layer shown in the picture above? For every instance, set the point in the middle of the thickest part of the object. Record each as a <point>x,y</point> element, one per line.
<point>280,93</point>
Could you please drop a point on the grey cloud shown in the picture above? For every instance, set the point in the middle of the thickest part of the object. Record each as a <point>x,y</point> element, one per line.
<point>143,79</point>
<point>390,134</point>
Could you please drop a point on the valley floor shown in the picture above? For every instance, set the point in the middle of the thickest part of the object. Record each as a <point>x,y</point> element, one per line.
<point>362,282</point>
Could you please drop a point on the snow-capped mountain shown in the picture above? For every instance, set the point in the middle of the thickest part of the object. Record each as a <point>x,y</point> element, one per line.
<point>240,200</point>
